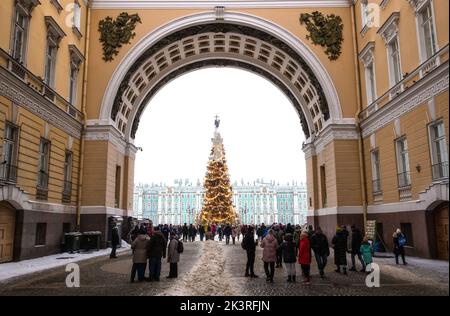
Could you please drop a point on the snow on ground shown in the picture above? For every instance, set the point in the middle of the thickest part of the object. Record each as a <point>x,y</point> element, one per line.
<point>419,271</point>
<point>11,270</point>
<point>207,277</point>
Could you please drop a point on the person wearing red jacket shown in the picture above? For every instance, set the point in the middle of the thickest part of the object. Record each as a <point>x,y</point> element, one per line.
<point>304,256</point>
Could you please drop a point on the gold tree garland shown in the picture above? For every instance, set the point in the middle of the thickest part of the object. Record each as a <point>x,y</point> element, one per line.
<point>218,202</point>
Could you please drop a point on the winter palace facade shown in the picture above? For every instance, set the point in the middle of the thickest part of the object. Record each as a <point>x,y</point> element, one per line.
<point>255,203</point>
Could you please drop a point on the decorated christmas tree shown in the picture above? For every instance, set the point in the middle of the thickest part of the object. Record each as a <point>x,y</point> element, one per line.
<point>218,202</point>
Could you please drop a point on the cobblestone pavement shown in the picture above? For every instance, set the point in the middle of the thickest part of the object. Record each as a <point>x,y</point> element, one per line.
<point>413,279</point>
<point>102,276</point>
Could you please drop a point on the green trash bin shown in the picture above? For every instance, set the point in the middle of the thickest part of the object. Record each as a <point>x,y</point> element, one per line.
<point>72,242</point>
<point>91,240</point>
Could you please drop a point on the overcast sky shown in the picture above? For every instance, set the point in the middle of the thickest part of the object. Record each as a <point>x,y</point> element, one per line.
<point>261,130</point>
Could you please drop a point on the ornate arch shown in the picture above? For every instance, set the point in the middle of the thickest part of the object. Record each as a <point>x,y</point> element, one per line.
<point>238,40</point>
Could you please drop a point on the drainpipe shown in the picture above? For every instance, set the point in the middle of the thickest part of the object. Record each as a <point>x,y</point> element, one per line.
<point>363,176</point>
<point>83,110</point>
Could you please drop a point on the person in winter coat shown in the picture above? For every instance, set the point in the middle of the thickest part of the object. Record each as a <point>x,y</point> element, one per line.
<point>346,234</point>
<point>310,231</point>
<point>249,245</point>
<point>220,232</point>
<point>304,257</point>
<point>357,238</point>
<point>399,240</point>
<point>227,233</point>
<point>156,248</point>
<point>288,250</point>
<point>213,231</point>
<point>243,230</point>
<point>340,250</point>
<point>238,232</point>
<point>185,231</point>
<point>173,256</point>
<point>270,246</point>
<point>319,244</point>
<point>297,233</point>
<point>366,252</point>
<point>201,231</point>
<point>233,234</point>
<point>259,232</point>
<point>165,231</point>
<point>135,232</point>
<point>289,229</point>
<point>192,232</point>
<point>115,241</point>
<point>150,230</point>
<point>139,247</point>
<point>209,235</point>
<point>265,232</point>
<point>278,234</point>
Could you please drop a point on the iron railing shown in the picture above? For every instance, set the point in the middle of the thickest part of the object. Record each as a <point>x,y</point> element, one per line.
<point>408,81</point>
<point>376,185</point>
<point>440,170</point>
<point>8,173</point>
<point>67,192</point>
<point>37,84</point>
<point>404,179</point>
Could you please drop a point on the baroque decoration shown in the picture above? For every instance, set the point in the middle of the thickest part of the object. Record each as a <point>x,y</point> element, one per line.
<point>325,31</point>
<point>218,203</point>
<point>115,33</point>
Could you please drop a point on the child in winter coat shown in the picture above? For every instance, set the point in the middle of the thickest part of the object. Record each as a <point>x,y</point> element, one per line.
<point>288,249</point>
<point>304,256</point>
<point>366,252</point>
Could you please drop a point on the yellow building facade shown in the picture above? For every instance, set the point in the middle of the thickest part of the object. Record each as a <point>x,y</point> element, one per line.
<point>403,55</point>
<point>375,115</point>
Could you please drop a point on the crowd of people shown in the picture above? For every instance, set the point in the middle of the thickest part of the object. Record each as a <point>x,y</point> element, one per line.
<point>282,245</point>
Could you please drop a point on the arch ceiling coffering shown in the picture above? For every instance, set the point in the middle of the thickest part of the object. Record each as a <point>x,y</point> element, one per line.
<point>220,44</point>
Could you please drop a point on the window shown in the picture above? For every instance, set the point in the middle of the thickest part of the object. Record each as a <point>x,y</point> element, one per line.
<point>406,229</point>
<point>77,16</point>
<point>73,85</point>
<point>376,187</point>
<point>402,162</point>
<point>66,228</point>
<point>50,58</point>
<point>8,170</point>
<point>364,12</point>
<point>20,34</point>
<point>395,71</point>
<point>57,5</point>
<point>439,156</point>
<point>76,58</point>
<point>380,236</point>
<point>323,186</point>
<point>117,187</point>
<point>54,36</point>
<point>44,157</point>
<point>67,186</point>
<point>427,32</point>
<point>41,232</point>
<point>370,83</point>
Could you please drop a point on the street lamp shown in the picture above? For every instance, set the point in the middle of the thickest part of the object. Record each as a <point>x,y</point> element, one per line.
<point>190,211</point>
<point>244,213</point>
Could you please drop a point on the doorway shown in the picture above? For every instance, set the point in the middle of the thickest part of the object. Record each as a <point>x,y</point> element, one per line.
<point>441,226</point>
<point>7,223</point>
